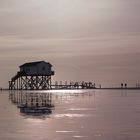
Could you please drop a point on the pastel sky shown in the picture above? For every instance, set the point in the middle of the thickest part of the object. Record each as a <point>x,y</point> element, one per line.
<point>91,40</point>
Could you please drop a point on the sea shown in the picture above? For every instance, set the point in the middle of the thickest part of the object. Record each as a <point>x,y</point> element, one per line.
<point>70,115</point>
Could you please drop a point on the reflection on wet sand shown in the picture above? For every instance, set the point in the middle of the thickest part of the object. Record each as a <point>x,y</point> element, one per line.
<point>84,115</point>
<point>42,103</point>
<point>31,103</point>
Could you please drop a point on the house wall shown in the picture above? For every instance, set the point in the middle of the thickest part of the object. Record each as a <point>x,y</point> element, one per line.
<point>44,68</point>
<point>29,70</point>
<point>39,69</point>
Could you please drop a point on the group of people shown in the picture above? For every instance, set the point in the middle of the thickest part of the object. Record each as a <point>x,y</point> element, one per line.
<point>123,85</point>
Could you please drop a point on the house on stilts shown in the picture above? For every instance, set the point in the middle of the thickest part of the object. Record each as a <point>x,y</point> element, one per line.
<point>32,76</point>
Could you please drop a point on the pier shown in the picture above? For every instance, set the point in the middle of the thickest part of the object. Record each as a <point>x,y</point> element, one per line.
<point>73,85</point>
<point>37,76</point>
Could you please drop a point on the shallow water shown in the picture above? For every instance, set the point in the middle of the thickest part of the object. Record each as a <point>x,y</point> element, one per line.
<point>75,115</point>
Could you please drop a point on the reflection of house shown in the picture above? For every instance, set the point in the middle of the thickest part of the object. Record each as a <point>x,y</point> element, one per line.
<point>33,103</point>
<point>37,68</point>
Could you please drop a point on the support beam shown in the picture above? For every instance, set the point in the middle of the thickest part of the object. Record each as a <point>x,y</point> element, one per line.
<point>31,83</point>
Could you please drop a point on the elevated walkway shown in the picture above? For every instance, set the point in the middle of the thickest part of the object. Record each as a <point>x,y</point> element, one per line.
<point>19,74</point>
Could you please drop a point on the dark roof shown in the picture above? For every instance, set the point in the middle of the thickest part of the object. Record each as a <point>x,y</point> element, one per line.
<point>33,63</point>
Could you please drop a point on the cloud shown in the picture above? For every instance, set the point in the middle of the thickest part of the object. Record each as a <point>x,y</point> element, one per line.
<point>97,37</point>
<point>64,18</point>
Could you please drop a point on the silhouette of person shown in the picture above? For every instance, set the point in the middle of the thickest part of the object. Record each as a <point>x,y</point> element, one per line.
<point>125,85</point>
<point>121,85</point>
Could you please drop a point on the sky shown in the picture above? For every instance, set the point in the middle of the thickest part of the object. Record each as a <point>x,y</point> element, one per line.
<point>84,40</point>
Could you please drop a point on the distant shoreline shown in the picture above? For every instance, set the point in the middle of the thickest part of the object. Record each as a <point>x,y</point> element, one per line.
<point>129,88</point>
